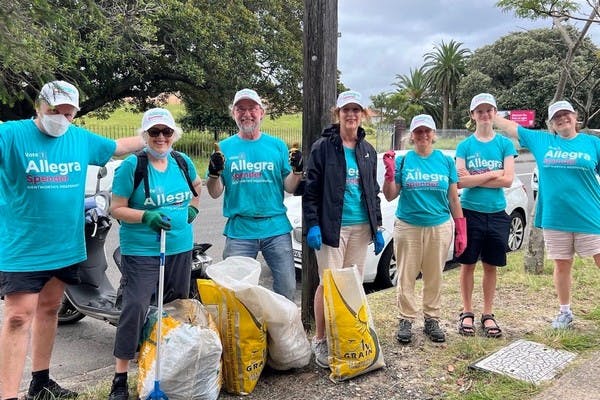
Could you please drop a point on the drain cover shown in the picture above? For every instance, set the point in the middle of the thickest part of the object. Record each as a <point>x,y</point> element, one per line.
<point>527,361</point>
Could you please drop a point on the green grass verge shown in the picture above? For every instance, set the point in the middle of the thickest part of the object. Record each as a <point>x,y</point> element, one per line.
<point>524,307</point>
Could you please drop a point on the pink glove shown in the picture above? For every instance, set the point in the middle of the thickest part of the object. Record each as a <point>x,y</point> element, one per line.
<point>460,237</point>
<point>390,165</point>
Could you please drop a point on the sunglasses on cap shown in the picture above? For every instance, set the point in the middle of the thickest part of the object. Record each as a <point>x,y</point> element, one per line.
<point>155,132</point>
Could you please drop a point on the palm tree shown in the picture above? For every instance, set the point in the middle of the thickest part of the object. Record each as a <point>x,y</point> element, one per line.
<point>416,87</point>
<point>445,66</point>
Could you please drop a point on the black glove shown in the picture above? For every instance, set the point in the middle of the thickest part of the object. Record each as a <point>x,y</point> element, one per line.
<point>295,159</point>
<point>216,164</point>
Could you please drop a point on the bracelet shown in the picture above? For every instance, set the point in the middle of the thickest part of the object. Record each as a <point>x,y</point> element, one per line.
<point>298,173</point>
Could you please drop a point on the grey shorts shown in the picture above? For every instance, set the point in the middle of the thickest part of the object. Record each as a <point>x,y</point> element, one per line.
<point>34,281</point>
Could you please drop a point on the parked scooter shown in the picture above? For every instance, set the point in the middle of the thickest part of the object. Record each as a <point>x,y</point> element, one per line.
<point>95,296</point>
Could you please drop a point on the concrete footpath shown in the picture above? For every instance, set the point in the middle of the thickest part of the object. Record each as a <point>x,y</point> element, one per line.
<point>578,381</point>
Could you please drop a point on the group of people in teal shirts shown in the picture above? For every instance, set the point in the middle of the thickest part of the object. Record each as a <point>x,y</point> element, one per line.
<point>43,164</point>
<point>568,210</point>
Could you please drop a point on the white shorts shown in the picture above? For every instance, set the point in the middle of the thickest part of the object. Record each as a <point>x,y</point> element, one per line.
<point>562,245</point>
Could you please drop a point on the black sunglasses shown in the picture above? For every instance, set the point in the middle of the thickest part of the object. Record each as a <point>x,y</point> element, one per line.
<point>155,132</point>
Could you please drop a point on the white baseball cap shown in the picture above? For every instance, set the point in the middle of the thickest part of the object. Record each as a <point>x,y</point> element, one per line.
<point>157,116</point>
<point>247,94</point>
<point>422,120</point>
<point>347,97</point>
<point>56,93</point>
<point>483,98</point>
<point>559,106</point>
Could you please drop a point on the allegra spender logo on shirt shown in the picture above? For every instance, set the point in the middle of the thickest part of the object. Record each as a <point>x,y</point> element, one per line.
<point>242,169</point>
<point>40,171</point>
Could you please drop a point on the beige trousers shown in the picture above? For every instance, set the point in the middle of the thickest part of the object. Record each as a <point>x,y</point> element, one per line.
<point>421,249</point>
<point>354,240</point>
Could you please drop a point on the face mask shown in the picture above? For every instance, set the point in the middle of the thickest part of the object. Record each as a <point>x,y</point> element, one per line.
<point>55,125</point>
<point>157,154</point>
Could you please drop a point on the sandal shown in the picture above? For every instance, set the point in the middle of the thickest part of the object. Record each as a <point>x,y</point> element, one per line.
<point>466,329</point>
<point>490,331</point>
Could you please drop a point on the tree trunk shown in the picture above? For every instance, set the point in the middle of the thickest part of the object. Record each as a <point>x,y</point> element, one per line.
<point>319,91</point>
<point>445,99</point>
<point>534,257</point>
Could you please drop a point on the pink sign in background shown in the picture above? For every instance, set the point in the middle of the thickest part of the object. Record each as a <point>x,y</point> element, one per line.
<point>524,118</point>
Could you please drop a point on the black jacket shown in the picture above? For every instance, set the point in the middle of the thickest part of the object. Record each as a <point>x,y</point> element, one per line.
<point>323,198</point>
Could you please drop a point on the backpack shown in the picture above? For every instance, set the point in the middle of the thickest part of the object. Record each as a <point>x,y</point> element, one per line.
<point>141,171</point>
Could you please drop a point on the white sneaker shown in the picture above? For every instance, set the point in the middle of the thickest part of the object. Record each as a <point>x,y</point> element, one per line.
<point>563,320</point>
<point>319,347</point>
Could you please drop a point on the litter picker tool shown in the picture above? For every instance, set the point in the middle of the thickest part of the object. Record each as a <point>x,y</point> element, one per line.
<point>156,393</point>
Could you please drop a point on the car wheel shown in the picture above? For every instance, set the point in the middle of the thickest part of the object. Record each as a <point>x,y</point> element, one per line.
<point>387,274</point>
<point>517,231</point>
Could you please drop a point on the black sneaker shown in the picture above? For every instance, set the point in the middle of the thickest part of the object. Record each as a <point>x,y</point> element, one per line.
<point>51,391</point>
<point>404,334</point>
<point>119,393</point>
<point>433,330</point>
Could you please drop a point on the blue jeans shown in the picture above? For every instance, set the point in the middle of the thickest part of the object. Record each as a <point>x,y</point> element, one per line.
<point>277,251</point>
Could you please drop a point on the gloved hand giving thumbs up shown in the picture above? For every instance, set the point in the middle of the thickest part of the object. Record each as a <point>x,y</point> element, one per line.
<point>216,165</point>
<point>295,158</point>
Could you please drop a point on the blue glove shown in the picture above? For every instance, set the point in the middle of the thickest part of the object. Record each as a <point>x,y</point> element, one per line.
<point>378,242</point>
<point>313,237</point>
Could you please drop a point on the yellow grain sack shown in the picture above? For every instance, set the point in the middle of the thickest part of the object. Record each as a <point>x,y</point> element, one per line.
<point>244,337</point>
<point>353,345</point>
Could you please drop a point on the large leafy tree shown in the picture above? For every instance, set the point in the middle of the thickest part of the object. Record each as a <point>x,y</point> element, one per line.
<point>137,49</point>
<point>445,67</point>
<point>562,13</point>
<point>521,69</point>
<point>415,85</point>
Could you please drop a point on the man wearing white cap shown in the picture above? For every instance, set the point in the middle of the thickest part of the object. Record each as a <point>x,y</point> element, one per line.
<point>485,164</point>
<point>568,207</point>
<point>254,169</point>
<point>43,164</point>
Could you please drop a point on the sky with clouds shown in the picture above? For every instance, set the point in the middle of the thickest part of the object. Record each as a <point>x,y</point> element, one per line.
<point>382,38</point>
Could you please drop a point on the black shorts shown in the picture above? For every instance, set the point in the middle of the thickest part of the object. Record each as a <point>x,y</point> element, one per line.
<point>33,282</point>
<point>487,238</point>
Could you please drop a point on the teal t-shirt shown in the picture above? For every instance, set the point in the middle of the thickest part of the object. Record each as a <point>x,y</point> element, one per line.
<point>354,211</point>
<point>481,157</point>
<point>254,175</point>
<point>42,190</point>
<point>169,194</point>
<point>569,192</point>
<point>425,182</point>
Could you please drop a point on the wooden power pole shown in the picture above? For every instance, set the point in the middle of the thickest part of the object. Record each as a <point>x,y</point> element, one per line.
<point>319,94</point>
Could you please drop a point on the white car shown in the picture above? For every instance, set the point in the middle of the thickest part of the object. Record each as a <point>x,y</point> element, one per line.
<point>381,269</point>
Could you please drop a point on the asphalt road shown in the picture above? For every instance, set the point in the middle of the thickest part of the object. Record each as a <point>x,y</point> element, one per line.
<point>83,351</point>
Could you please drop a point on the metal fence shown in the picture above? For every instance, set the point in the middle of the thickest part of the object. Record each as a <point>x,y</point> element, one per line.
<point>200,143</point>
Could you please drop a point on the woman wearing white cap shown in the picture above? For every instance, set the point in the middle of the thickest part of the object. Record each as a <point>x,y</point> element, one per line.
<point>341,201</point>
<point>568,207</point>
<point>485,164</point>
<point>167,203</point>
<point>426,181</point>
